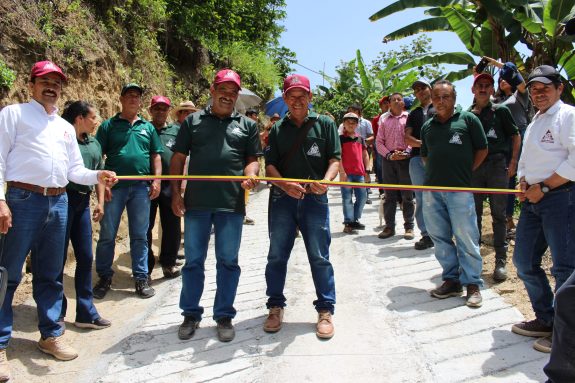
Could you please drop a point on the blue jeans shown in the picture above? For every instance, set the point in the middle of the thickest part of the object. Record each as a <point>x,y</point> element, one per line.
<point>228,235</point>
<point>136,200</point>
<point>417,175</point>
<point>352,210</point>
<point>79,232</point>
<point>548,223</point>
<point>448,215</point>
<point>561,366</point>
<point>311,216</point>
<point>39,227</point>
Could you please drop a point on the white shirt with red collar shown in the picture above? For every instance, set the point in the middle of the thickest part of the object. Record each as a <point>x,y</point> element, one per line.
<point>39,148</point>
<point>549,145</point>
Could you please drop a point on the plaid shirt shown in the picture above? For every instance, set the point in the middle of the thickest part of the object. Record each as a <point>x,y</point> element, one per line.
<point>391,133</point>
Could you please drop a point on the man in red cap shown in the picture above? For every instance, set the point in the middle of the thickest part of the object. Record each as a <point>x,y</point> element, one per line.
<point>219,141</point>
<point>171,224</point>
<point>503,141</point>
<point>38,155</point>
<point>302,145</point>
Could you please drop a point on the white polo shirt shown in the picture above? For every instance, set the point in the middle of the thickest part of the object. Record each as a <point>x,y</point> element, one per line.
<point>549,145</point>
<point>39,148</point>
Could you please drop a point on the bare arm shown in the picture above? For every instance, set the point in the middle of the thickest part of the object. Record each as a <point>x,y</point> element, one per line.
<point>252,169</point>
<point>156,162</point>
<point>330,174</point>
<point>177,167</point>
<point>98,212</point>
<point>478,157</point>
<point>410,140</point>
<point>516,144</point>
<point>5,217</point>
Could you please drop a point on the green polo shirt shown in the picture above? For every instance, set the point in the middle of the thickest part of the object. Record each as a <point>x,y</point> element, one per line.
<point>217,147</point>
<point>127,147</point>
<point>450,148</point>
<point>92,155</point>
<point>311,160</point>
<point>168,136</point>
<point>499,127</point>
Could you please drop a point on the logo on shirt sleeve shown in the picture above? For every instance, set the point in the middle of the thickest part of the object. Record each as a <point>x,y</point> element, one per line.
<point>314,151</point>
<point>548,138</point>
<point>456,139</point>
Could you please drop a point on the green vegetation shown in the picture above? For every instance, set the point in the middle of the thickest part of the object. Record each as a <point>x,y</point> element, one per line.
<point>170,46</point>
<point>7,76</point>
<point>494,28</point>
<point>357,82</point>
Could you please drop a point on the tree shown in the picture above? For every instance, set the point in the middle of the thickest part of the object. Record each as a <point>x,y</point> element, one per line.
<point>356,82</point>
<point>493,28</point>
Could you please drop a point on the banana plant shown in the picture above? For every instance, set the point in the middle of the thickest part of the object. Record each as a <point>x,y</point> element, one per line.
<point>493,28</point>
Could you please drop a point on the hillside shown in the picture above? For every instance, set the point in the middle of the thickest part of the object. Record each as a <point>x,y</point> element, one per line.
<point>101,45</point>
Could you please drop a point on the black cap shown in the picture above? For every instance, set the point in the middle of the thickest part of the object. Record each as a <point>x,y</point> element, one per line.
<point>420,82</point>
<point>129,86</point>
<point>545,74</point>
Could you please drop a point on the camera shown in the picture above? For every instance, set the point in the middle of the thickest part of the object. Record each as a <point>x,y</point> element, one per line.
<point>481,65</point>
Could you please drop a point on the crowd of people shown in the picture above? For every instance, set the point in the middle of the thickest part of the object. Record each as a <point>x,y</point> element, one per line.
<point>50,165</point>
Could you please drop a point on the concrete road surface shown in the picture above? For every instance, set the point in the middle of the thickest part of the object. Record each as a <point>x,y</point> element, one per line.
<point>388,328</point>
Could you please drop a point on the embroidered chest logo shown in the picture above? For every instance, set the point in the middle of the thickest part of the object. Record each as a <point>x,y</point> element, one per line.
<point>170,143</point>
<point>491,133</point>
<point>144,133</point>
<point>548,138</point>
<point>314,151</point>
<point>236,131</point>
<point>456,139</point>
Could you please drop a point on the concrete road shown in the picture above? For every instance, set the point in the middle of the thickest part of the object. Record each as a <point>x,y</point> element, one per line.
<point>388,328</point>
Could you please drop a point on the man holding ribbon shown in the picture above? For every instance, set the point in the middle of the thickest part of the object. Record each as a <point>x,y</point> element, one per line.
<point>219,141</point>
<point>546,173</point>
<point>38,155</point>
<point>302,145</point>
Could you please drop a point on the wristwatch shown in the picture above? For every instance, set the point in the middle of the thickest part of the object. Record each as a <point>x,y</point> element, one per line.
<point>544,188</point>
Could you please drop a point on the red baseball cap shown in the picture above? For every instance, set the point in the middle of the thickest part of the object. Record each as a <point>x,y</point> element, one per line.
<point>483,75</point>
<point>228,75</point>
<point>296,81</point>
<point>44,67</point>
<point>384,99</point>
<point>160,100</point>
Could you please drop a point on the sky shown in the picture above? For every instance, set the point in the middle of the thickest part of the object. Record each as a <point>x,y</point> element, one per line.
<point>322,33</point>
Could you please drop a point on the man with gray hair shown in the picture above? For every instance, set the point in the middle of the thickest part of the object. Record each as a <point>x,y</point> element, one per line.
<point>546,173</point>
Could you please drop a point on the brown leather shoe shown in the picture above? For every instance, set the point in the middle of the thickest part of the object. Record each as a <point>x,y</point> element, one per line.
<point>386,233</point>
<point>324,327</point>
<point>274,320</point>
<point>56,347</point>
<point>4,367</point>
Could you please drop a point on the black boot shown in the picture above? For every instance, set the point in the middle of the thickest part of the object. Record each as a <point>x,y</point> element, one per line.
<point>500,272</point>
